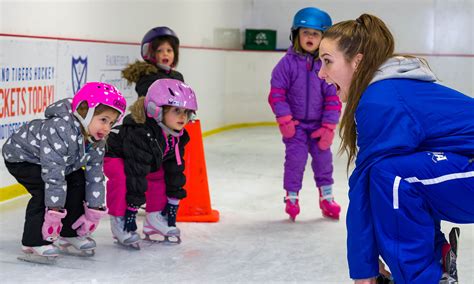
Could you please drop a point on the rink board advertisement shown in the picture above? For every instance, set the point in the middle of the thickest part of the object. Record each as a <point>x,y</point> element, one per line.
<point>37,72</point>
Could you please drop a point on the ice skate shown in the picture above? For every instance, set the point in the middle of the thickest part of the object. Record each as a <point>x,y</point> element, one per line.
<point>127,239</point>
<point>329,207</point>
<point>450,274</point>
<point>292,207</point>
<point>76,246</point>
<point>155,223</point>
<point>46,254</point>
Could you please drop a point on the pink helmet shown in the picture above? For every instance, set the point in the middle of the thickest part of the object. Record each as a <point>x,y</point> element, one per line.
<point>96,93</point>
<point>168,92</point>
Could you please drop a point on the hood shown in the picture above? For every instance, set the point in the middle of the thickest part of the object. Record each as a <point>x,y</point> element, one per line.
<point>404,68</point>
<point>61,108</point>
<point>138,69</point>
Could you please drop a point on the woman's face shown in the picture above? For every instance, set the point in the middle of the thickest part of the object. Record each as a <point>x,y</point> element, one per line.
<point>335,69</point>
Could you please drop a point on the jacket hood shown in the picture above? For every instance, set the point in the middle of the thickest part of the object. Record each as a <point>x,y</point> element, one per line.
<point>138,69</point>
<point>61,108</point>
<point>404,68</point>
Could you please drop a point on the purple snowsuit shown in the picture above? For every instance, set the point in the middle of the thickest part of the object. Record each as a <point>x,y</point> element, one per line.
<point>297,90</point>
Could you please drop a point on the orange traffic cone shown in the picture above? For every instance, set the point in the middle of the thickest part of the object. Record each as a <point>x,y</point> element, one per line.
<point>196,207</point>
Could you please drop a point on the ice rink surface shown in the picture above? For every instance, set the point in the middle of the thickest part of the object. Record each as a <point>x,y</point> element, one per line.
<point>254,242</point>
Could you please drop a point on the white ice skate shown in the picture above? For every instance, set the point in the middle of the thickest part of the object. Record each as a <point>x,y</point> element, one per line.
<point>155,223</point>
<point>127,239</point>
<point>77,246</point>
<point>46,254</point>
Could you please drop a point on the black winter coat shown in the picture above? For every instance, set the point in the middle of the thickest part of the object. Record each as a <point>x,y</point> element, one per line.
<point>142,146</point>
<point>145,81</point>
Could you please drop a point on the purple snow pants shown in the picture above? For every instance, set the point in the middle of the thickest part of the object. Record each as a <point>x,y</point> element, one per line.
<point>296,155</point>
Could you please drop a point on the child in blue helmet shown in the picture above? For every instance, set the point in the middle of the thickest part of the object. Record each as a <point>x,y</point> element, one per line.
<point>160,52</point>
<point>307,110</point>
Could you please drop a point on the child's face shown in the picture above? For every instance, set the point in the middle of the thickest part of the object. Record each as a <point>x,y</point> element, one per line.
<point>309,39</point>
<point>164,54</point>
<point>101,124</point>
<point>176,118</point>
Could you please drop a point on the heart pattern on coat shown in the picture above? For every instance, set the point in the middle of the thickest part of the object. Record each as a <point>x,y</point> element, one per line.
<point>57,146</point>
<point>52,131</point>
<point>54,199</point>
<point>96,194</point>
<point>97,179</point>
<point>46,150</point>
<point>23,135</point>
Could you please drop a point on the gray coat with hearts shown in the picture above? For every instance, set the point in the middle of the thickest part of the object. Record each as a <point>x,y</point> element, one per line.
<point>57,144</point>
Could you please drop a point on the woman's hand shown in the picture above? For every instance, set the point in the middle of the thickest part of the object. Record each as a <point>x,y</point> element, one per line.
<point>365,281</point>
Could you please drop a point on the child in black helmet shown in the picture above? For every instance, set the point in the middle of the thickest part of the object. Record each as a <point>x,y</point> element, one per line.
<point>160,50</point>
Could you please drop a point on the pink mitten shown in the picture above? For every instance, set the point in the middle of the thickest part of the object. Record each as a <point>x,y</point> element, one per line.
<point>287,125</point>
<point>87,223</point>
<point>325,135</point>
<point>52,224</point>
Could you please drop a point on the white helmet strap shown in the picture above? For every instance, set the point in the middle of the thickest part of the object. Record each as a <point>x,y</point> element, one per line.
<point>169,130</point>
<point>85,121</point>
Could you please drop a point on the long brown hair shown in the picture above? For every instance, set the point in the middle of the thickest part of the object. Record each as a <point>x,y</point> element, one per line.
<point>369,36</point>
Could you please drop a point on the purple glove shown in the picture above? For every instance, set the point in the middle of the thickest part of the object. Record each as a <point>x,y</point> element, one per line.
<point>52,224</point>
<point>88,222</point>
<point>287,125</point>
<point>325,135</point>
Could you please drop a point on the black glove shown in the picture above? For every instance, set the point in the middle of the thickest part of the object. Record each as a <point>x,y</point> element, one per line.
<point>381,279</point>
<point>130,224</point>
<point>170,213</point>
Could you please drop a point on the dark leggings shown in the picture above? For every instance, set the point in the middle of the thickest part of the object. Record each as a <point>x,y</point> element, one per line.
<point>29,175</point>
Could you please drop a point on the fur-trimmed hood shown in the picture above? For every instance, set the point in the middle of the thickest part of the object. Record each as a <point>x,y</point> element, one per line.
<point>134,71</point>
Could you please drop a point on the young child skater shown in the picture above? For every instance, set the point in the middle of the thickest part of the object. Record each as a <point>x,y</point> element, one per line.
<point>59,161</point>
<point>307,111</point>
<point>160,50</point>
<point>144,162</point>
<point>413,145</point>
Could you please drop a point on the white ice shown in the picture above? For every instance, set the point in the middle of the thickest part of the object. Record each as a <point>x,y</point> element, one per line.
<point>254,242</point>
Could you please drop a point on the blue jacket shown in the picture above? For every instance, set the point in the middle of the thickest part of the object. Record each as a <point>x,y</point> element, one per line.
<point>402,111</point>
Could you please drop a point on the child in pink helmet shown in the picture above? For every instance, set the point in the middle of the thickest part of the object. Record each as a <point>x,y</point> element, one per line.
<point>160,52</point>
<point>144,162</point>
<point>307,111</point>
<point>59,161</point>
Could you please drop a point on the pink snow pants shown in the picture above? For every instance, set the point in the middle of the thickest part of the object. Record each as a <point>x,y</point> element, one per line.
<point>117,188</point>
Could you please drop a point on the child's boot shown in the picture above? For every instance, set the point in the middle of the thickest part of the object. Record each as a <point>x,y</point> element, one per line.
<point>328,206</point>
<point>292,206</point>
<point>81,246</point>
<point>45,254</point>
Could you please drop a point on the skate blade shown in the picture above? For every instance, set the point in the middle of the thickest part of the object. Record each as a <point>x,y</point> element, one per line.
<point>134,246</point>
<point>38,259</point>
<point>330,217</point>
<point>167,240</point>
<point>73,252</point>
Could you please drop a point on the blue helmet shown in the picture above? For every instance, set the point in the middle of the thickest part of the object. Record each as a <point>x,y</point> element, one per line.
<point>311,18</point>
